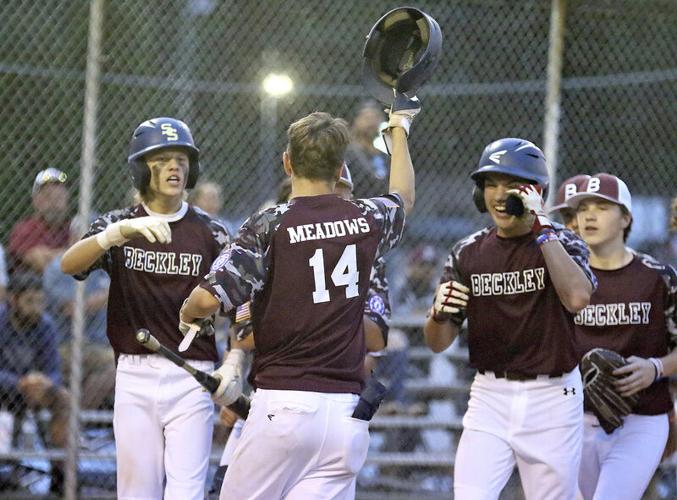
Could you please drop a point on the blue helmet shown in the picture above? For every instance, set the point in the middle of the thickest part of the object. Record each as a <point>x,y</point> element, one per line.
<point>159,133</point>
<point>514,157</point>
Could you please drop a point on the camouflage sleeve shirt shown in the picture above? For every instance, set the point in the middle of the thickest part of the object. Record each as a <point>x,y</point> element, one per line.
<point>149,281</point>
<point>377,305</point>
<point>240,271</point>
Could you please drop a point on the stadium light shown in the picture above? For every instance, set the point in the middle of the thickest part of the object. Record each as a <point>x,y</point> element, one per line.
<point>277,85</point>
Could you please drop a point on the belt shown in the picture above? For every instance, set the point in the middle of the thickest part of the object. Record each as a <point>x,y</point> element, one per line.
<point>519,376</point>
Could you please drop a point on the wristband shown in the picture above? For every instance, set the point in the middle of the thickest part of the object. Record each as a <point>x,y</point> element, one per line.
<point>111,237</point>
<point>545,236</point>
<point>658,366</point>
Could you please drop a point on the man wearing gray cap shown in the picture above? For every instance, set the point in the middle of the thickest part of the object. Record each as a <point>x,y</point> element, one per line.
<point>36,240</point>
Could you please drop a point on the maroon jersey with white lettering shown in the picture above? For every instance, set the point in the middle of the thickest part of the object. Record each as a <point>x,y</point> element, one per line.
<point>307,264</point>
<point>634,313</point>
<point>516,321</point>
<point>149,281</point>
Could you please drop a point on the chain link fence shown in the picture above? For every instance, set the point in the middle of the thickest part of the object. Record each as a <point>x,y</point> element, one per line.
<point>204,61</point>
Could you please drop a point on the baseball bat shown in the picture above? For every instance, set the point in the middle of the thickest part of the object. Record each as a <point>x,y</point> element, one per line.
<point>514,206</point>
<point>146,339</point>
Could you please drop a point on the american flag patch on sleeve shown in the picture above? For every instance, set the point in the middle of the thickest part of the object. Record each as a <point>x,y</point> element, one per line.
<point>243,312</point>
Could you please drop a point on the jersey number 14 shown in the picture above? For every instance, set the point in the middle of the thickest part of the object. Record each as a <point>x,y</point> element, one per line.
<point>345,273</point>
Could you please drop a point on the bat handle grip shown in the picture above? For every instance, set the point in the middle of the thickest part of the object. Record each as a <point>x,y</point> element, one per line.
<point>211,384</point>
<point>241,407</point>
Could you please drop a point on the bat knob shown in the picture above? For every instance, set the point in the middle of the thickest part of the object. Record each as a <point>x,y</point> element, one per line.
<point>142,336</point>
<point>514,206</point>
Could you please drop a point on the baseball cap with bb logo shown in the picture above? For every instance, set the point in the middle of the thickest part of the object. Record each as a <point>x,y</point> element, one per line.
<point>605,186</point>
<point>346,179</point>
<point>48,176</point>
<point>567,189</point>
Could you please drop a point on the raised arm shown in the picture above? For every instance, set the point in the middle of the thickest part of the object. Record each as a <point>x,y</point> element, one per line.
<point>402,180</point>
<point>571,278</point>
<point>572,285</point>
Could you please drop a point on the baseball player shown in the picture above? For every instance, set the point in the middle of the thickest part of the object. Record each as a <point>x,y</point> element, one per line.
<point>155,253</point>
<point>306,265</point>
<point>566,190</point>
<point>518,283</point>
<point>633,312</point>
<point>376,325</point>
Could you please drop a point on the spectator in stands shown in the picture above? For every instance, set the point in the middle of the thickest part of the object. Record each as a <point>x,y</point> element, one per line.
<point>420,279</point>
<point>98,373</point>
<point>36,240</point>
<point>30,374</point>
<point>414,298</point>
<point>208,196</point>
<point>368,165</point>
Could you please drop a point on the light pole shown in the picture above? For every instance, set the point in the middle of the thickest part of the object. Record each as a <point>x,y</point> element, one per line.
<point>275,86</point>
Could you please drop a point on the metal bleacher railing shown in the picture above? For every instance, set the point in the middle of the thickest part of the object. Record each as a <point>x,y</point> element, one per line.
<point>97,454</point>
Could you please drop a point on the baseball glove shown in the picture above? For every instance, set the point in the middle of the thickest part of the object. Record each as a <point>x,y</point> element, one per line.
<point>597,367</point>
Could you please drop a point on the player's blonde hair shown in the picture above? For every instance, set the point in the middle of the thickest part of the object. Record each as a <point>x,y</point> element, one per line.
<point>317,145</point>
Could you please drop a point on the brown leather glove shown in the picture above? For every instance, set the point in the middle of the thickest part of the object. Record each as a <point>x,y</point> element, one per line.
<point>600,393</point>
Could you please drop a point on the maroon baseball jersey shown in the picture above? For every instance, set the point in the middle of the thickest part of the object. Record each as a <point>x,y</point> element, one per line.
<point>307,264</point>
<point>516,321</point>
<point>633,312</point>
<point>149,281</point>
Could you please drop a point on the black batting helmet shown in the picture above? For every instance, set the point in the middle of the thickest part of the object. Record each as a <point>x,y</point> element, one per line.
<point>401,52</point>
<point>514,157</point>
<point>159,133</point>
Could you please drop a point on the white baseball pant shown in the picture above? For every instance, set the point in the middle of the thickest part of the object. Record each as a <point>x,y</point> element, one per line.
<point>535,424</point>
<point>163,424</point>
<point>298,445</point>
<point>620,465</point>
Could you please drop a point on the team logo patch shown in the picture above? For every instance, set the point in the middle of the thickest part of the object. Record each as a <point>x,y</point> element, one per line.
<point>388,203</point>
<point>220,261</point>
<point>376,304</point>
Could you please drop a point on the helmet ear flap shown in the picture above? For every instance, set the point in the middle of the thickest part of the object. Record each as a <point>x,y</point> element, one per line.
<point>478,198</point>
<point>193,174</point>
<point>140,175</point>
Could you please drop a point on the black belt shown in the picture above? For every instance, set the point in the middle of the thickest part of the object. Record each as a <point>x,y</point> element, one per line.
<point>519,376</point>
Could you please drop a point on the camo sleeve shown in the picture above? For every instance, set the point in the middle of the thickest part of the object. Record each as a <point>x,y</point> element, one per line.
<point>670,279</point>
<point>216,227</point>
<point>105,261</point>
<point>377,305</point>
<point>577,250</point>
<point>240,270</point>
<point>451,270</point>
<point>668,275</point>
<point>388,212</point>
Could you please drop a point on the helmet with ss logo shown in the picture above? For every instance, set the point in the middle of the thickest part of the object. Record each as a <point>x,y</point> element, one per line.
<point>159,133</point>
